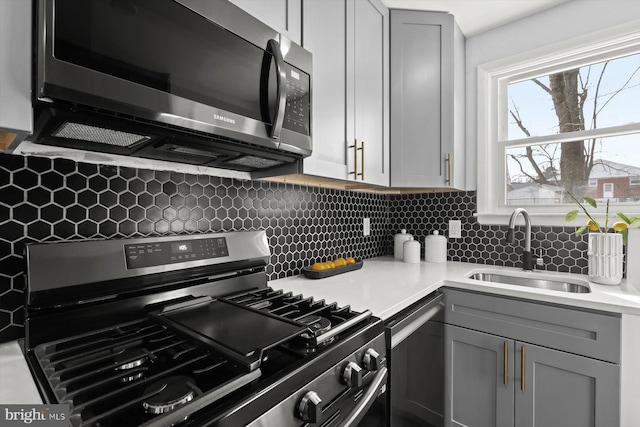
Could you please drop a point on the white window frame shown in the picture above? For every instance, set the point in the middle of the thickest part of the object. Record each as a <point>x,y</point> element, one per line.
<point>634,180</point>
<point>593,182</point>
<point>493,79</point>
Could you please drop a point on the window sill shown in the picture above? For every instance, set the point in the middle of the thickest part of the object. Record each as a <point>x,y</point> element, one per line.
<point>537,219</point>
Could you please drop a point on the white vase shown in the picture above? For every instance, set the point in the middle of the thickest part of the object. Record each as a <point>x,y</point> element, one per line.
<point>605,258</point>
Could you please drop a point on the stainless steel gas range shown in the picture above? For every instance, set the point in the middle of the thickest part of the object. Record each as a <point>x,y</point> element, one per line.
<point>184,330</point>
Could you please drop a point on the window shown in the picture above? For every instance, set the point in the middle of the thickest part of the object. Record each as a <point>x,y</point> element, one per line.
<point>556,122</point>
<point>634,180</point>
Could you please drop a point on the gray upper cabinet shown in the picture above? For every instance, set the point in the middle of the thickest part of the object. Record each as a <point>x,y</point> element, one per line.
<point>349,43</point>
<point>427,100</point>
<point>283,16</point>
<point>368,90</point>
<point>501,367</point>
<point>16,113</point>
<point>325,36</point>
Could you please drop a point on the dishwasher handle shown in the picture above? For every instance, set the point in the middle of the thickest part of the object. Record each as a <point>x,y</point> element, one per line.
<point>370,396</point>
<point>403,327</point>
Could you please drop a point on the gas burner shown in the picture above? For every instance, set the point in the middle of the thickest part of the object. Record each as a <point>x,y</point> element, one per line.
<point>131,377</point>
<point>131,358</point>
<point>304,343</point>
<point>318,325</point>
<point>169,393</point>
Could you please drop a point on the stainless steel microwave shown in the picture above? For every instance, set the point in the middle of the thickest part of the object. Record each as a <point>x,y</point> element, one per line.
<point>190,81</point>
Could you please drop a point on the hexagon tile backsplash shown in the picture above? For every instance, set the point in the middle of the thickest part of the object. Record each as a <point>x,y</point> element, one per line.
<point>47,200</point>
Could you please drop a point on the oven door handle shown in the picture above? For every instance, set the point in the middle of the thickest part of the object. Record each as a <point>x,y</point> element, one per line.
<point>367,400</point>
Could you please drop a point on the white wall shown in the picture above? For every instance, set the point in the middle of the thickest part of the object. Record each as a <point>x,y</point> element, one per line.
<point>572,19</point>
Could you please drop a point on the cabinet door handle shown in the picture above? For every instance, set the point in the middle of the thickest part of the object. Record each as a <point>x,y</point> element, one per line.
<point>522,357</point>
<point>362,160</point>
<point>448,161</point>
<point>355,172</point>
<point>505,377</point>
<point>355,159</point>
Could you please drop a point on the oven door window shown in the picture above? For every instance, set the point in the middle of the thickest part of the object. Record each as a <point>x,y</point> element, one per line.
<point>165,46</point>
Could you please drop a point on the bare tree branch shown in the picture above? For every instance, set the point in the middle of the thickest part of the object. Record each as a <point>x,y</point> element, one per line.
<point>516,117</point>
<point>541,178</point>
<point>542,85</point>
<point>595,97</point>
<point>624,86</point>
<point>515,158</point>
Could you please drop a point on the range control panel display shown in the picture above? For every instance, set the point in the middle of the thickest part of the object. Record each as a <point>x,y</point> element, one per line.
<point>161,253</point>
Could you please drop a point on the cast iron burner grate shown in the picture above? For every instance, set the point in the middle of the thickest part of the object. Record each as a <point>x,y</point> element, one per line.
<point>133,373</point>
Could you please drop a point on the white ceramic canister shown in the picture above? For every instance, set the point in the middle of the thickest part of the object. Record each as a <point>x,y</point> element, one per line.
<point>398,241</point>
<point>435,248</point>
<point>411,251</point>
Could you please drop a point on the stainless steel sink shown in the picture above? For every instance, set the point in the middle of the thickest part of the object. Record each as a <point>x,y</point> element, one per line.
<point>531,282</point>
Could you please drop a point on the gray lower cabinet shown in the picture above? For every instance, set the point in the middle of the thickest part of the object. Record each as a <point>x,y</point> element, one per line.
<point>501,367</point>
<point>476,394</point>
<point>555,388</point>
<point>492,381</point>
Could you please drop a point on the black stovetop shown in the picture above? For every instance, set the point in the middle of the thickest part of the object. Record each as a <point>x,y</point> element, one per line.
<point>198,337</point>
<point>134,373</point>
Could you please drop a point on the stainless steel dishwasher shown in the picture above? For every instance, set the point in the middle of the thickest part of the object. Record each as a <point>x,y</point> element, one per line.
<point>415,351</point>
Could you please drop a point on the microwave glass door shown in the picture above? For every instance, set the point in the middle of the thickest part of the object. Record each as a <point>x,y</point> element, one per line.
<point>165,46</point>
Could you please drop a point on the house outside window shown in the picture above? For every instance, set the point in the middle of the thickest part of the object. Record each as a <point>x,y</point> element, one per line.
<point>560,121</point>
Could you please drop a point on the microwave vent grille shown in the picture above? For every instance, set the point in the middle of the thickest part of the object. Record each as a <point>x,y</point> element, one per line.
<point>100,135</point>
<point>254,162</point>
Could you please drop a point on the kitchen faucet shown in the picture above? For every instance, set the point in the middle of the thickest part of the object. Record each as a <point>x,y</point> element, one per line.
<point>527,259</point>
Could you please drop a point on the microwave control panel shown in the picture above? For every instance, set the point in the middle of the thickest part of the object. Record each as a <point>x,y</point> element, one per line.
<point>161,253</point>
<point>296,116</point>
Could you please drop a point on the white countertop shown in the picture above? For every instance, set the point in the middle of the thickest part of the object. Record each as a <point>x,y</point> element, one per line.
<point>386,286</point>
<point>383,285</point>
<point>16,383</point>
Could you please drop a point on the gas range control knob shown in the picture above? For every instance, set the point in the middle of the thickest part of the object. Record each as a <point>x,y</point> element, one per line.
<point>310,408</point>
<point>352,375</point>
<point>372,361</point>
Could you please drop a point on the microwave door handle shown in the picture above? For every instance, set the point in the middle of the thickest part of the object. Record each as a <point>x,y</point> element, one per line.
<point>273,47</point>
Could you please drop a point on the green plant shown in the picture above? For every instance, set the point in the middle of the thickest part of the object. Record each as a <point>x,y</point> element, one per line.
<point>593,224</point>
